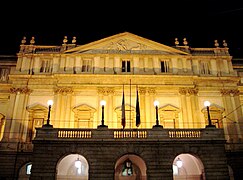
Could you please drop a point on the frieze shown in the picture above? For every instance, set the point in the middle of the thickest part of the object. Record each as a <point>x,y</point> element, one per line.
<point>106,91</point>
<point>63,90</point>
<point>23,90</point>
<point>114,51</point>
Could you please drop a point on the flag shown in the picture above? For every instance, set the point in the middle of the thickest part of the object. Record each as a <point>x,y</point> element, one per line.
<point>137,111</point>
<point>123,118</point>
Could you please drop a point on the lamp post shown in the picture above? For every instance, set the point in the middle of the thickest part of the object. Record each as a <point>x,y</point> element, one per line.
<point>156,104</point>
<point>102,103</point>
<point>50,103</point>
<point>207,104</point>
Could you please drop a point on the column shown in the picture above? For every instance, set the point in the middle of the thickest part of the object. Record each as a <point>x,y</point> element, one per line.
<point>55,66</point>
<point>183,92</point>
<point>174,62</point>
<point>150,110</point>
<point>229,127</point>
<point>63,63</point>
<point>117,65</point>
<point>18,114</point>
<point>194,120</point>
<point>136,65</point>
<point>237,112</point>
<point>97,64</point>
<point>156,64</point>
<point>145,123</point>
<point>9,115</point>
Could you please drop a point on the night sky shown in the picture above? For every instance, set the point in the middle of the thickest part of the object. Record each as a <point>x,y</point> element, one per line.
<point>201,22</point>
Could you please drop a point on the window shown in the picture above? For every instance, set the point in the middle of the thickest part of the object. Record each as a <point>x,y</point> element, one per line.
<point>28,169</point>
<point>86,65</point>
<point>165,67</point>
<point>205,68</point>
<point>83,116</point>
<point>126,66</point>
<point>127,168</point>
<point>45,66</point>
<point>4,72</point>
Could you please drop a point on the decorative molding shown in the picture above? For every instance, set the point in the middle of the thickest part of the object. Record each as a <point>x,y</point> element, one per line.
<point>63,90</point>
<point>233,92</point>
<point>188,91</point>
<point>106,91</point>
<point>151,91</point>
<point>24,90</point>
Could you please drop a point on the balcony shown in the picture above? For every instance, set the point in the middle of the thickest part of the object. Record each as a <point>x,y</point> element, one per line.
<point>103,133</point>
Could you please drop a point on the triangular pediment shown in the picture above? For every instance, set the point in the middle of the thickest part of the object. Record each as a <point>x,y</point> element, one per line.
<point>125,43</point>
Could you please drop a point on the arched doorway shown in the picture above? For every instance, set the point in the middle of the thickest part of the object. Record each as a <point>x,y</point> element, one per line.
<point>25,171</point>
<point>73,166</point>
<point>130,167</point>
<point>188,167</point>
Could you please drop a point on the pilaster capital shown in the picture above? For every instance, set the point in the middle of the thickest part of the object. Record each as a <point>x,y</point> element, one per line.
<point>24,90</point>
<point>228,92</point>
<point>63,90</point>
<point>188,91</point>
<point>151,91</point>
<point>105,91</point>
<point>142,90</point>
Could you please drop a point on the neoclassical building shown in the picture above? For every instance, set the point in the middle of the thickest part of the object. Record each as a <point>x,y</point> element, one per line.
<point>123,108</point>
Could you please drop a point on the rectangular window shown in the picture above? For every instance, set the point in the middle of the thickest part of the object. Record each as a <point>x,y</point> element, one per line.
<point>164,66</point>
<point>86,65</point>
<point>4,72</point>
<point>126,66</point>
<point>205,68</point>
<point>45,66</point>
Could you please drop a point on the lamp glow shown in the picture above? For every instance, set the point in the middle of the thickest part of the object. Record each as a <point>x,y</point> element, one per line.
<point>50,102</point>
<point>207,103</point>
<point>78,164</point>
<point>102,102</point>
<point>156,103</point>
<point>179,163</point>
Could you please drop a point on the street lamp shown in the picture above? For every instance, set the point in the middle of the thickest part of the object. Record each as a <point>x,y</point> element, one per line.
<point>156,104</point>
<point>50,103</point>
<point>102,103</point>
<point>207,104</point>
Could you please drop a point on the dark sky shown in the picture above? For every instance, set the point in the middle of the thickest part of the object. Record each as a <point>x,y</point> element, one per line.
<point>201,22</point>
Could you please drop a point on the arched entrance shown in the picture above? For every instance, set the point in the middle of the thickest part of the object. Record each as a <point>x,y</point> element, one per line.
<point>25,171</point>
<point>130,167</point>
<point>73,166</point>
<point>188,167</point>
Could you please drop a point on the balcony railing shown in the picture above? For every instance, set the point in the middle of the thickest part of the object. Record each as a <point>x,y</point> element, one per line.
<point>105,133</point>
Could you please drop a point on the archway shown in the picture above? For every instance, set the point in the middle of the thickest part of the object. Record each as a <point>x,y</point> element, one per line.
<point>189,167</point>
<point>73,166</point>
<point>25,171</point>
<point>130,167</point>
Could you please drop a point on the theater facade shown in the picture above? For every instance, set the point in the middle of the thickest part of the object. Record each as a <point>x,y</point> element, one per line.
<point>120,108</point>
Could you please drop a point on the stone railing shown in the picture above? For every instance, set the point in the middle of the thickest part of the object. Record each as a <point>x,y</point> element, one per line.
<point>112,134</point>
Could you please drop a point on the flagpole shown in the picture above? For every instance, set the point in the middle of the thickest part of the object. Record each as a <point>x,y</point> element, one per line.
<point>123,118</point>
<point>130,103</point>
<point>138,121</point>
